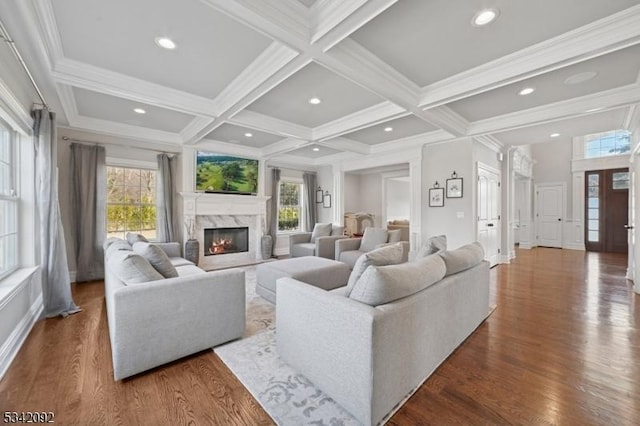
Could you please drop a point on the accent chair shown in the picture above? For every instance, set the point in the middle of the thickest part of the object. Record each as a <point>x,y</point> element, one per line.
<point>320,242</point>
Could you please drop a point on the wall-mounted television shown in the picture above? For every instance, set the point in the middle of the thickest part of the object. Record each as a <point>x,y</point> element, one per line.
<point>221,173</point>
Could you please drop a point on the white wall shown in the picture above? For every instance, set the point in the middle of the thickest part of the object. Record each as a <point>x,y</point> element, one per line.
<point>398,197</point>
<point>325,181</point>
<point>552,164</point>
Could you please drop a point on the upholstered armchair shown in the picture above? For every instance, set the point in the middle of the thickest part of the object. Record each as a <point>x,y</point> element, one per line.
<point>348,250</point>
<point>320,242</point>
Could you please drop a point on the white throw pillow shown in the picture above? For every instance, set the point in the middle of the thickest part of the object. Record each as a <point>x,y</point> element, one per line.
<point>462,258</point>
<point>320,230</point>
<point>132,268</point>
<point>372,237</point>
<point>117,246</point>
<point>384,284</point>
<point>387,255</point>
<point>133,238</point>
<point>157,258</point>
<point>394,236</point>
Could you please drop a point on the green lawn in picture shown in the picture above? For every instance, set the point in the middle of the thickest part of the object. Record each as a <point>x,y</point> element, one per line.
<point>226,174</point>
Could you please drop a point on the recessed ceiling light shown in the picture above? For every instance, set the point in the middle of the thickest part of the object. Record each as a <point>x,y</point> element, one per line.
<point>316,149</point>
<point>139,111</point>
<point>388,129</point>
<point>526,91</point>
<point>554,135</point>
<point>484,17</point>
<point>165,43</point>
<point>315,101</point>
<point>248,135</point>
<point>580,77</point>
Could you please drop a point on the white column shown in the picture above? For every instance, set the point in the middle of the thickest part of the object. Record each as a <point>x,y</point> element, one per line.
<point>338,194</point>
<point>415,214</point>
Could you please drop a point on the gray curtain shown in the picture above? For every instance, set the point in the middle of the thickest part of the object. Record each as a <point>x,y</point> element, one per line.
<point>166,203</point>
<point>309,200</point>
<point>88,206</point>
<point>56,285</point>
<point>273,222</point>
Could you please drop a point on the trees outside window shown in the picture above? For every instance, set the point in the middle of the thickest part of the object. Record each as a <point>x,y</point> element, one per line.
<point>616,142</point>
<point>290,206</point>
<point>131,202</point>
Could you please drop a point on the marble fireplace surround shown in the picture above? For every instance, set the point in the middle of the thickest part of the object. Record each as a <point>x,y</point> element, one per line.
<point>226,211</point>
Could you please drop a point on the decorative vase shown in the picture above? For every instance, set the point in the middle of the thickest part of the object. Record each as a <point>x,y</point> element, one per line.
<point>192,250</point>
<point>266,244</point>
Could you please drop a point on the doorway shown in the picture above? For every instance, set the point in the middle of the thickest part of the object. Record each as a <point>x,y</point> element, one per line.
<point>489,212</point>
<point>607,212</point>
<point>550,204</point>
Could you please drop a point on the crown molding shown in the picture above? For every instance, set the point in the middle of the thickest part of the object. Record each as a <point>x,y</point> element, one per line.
<point>267,64</point>
<point>89,136</point>
<point>50,36</point>
<point>335,20</point>
<point>447,119</point>
<point>414,141</point>
<point>68,102</point>
<point>344,144</point>
<point>614,98</point>
<point>632,120</point>
<point>606,35</point>
<point>367,117</point>
<point>279,20</point>
<point>356,63</point>
<point>339,157</point>
<point>84,76</point>
<point>378,159</point>
<point>283,146</point>
<point>266,123</point>
<point>13,112</point>
<point>490,142</point>
<point>294,160</point>
<point>125,130</point>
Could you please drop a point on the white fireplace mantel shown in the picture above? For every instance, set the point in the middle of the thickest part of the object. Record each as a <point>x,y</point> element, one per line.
<point>202,203</point>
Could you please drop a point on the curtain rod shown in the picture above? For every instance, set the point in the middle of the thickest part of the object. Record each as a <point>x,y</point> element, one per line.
<point>12,45</point>
<point>289,168</point>
<point>67,138</point>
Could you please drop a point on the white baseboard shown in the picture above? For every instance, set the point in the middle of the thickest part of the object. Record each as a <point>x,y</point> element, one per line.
<point>526,246</point>
<point>574,246</point>
<point>630,274</point>
<point>10,348</point>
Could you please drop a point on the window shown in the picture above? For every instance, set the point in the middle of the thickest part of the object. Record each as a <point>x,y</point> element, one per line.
<point>131,202</point>
<point>616,142</point>
<point>290,208</point>
<point>8,201</point>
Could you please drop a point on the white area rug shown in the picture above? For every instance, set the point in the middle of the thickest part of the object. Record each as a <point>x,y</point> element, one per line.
<point>287,396</point>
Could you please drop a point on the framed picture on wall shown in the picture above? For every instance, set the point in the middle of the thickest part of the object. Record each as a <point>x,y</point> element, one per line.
<point>326,200</point>
<point>436,197</point>
<point>454,188</point>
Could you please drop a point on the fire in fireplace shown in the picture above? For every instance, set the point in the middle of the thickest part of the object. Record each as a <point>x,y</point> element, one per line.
<point>225,240</point>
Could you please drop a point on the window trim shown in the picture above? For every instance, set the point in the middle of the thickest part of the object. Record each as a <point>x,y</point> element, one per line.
<point>14,196</point>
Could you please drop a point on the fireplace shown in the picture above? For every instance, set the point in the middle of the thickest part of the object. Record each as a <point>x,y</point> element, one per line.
<point>226,240</point>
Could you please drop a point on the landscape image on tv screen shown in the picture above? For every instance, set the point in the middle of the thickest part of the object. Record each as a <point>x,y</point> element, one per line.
<point>226,174</point>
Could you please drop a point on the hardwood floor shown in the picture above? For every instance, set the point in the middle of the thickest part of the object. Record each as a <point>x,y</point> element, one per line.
<point>562,347</point>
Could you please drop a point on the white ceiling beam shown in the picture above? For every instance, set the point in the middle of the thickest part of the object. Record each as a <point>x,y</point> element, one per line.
<point>632,120</point>
<point>97,79</point>
<point>266,123</point>
<point>125,130</point>
<point>367,117</point>
<point>447,119</point>
<point>344,144</point>
<point>194,126</point>
<point>335,20</point>
<point>614,98</point>
<point>227,148</point>
<point>414,141</point>
<point>606,35</point>
<point>283,21</point>
<point>68,102</point>
<point>490,142</point>
<point>283,146</point>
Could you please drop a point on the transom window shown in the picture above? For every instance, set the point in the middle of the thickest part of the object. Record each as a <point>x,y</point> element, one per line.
<point>131,202</point>
<point>290,207</point>
<point>8,201</point>
<point>616,142</point>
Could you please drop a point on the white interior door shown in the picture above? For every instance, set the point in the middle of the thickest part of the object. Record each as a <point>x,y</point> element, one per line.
<point>550,214</point>
<point>634,237</point>
<point>489,212</point>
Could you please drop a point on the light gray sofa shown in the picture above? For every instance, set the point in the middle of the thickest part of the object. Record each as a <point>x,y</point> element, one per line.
<point>348,250</point>
<point>155,322</point>
<point>370,358</point>
<point>320,242</point>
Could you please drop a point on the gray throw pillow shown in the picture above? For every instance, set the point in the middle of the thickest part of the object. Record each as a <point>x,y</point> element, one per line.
<point>433,245</point>
<point>131,268</point>
<point>117,246</point>
<point>394,236</point>
<point>320,230</point>
<point>133,238</point>
<point>383,284</point>
<point>462,258</point>
<point>372,237</point>
<point>387,255</point>
<point>157,258</point>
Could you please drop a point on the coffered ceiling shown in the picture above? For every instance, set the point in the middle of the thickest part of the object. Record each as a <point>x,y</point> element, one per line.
<point>388,74</point>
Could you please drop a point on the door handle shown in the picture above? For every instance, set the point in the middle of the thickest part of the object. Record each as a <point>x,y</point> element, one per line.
<point>559,219</point>
<point>628,226</point>
<point>490,224</point>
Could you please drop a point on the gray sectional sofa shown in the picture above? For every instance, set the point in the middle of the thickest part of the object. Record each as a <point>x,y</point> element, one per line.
<point>370,344</point>
<point>154,320</point>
